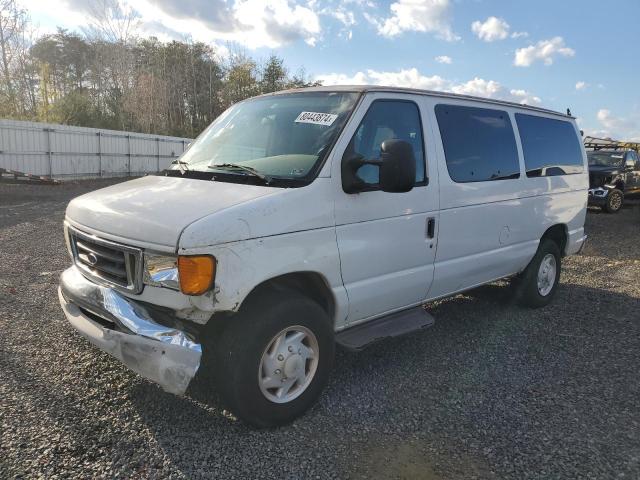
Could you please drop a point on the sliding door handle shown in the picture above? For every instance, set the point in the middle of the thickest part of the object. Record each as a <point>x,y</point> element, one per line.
<point>431,227</point>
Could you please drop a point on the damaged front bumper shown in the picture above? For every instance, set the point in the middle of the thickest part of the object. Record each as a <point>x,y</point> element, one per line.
<point>124,329</point>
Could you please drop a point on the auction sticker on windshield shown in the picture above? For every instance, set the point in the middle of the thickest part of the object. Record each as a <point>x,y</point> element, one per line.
<point>316,118</point>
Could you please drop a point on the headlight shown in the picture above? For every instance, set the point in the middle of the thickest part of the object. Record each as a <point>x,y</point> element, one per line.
<point>161,271</point>
<point>190,274</point>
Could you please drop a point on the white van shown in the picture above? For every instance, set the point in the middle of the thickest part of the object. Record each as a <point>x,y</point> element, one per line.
<point>307,218</point>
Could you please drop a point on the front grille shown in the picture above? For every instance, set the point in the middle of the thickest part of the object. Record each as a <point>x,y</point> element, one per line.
<point>107,262</point>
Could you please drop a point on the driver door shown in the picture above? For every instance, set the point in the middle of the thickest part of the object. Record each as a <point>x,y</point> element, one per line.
<point>387,241</point>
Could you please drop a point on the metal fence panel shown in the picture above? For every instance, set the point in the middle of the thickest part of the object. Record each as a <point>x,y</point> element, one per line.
<point>62,151</point>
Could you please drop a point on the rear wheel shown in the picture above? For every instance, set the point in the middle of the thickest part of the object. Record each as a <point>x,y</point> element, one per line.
<point>539,281</point>
<point>615,199</point>
<point>274,359</point>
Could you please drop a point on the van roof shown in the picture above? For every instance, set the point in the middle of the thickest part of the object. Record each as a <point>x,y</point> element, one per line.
<point>416,91</point>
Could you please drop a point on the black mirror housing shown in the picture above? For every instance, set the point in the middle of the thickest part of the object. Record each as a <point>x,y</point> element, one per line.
<point>398,166</point>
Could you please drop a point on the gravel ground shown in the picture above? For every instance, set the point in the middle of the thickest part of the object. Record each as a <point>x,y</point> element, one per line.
<point>491,391</point>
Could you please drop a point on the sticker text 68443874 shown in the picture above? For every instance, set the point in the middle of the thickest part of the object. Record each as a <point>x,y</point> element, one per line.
<point>316,118</point>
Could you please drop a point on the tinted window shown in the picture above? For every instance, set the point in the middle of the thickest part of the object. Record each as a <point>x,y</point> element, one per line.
<point>479,143</point>
<point>551,147</point>
<point>386,120</point>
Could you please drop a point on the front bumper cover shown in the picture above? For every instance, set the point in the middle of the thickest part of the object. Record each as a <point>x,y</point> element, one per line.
<point>598,196</point>
<point>164,355</point>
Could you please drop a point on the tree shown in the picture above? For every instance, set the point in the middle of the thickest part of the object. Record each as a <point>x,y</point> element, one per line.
<point>112,21</point>
<point>75,108</point>
<point>13,22</point>
<point>274,75</point>
<point>300,80</point>
<point>107,77</point>
<point>241,80</point>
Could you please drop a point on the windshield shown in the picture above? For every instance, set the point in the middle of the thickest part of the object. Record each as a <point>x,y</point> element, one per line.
<point>605,159</point>
<point>277,137</point>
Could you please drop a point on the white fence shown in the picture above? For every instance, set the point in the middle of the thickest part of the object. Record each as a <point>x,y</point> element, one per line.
<point>61,151</point>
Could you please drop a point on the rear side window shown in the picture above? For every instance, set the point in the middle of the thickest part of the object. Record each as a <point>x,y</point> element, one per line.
<point>479,143</point>
<point>551,147</point>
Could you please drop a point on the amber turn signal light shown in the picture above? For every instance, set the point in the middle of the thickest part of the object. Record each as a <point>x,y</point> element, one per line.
<point>197,273</point>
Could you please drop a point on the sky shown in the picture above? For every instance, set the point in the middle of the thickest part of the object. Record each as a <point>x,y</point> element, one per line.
<point>577,54</point>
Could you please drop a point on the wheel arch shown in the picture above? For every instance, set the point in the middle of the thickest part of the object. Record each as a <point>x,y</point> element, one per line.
<point>308,283</point>
<point>619,184</point>
<point>559,233</point>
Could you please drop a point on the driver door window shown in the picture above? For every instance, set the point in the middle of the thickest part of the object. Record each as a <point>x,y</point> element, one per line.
<point>386,120</point>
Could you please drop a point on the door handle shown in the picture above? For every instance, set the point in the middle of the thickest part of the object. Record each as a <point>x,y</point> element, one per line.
<point>431,227</point>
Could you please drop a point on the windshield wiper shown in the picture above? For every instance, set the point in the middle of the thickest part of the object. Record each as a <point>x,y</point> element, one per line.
<point>250,170</point>
<point>182,165</point>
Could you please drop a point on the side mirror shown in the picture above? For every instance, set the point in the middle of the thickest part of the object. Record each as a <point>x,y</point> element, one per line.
<point>629,165</point>
<point>397,167</point>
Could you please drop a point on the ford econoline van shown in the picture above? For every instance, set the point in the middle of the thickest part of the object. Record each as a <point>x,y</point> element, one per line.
<point>305,219</point>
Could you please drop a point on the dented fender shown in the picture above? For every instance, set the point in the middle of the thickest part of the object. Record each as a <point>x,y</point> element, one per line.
<point>243,265</point>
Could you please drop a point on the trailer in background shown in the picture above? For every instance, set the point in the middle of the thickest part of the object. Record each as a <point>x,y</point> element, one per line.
<point>69,152</point>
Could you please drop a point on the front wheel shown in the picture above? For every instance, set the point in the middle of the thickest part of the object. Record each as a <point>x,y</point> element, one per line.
<point>539,281</point>
<point>274,359</point>
<point>615,199</point>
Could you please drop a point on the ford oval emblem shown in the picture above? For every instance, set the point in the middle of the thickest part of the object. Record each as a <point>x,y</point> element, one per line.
<point>92,259</point>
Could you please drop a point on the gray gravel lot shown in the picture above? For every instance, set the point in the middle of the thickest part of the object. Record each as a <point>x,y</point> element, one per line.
<point>491,391</point>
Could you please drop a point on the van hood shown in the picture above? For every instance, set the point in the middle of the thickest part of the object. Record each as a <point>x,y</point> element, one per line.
<point>156,209</point>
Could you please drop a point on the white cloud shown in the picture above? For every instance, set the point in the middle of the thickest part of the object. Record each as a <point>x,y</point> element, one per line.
<point>429,16</point>
<point>492,29</point>
<point>344,16</point>
<point>55,12</point>
<point>272,23</point>
<point>544,51</point>
<point>620,128</point>
<point>403,78</point>
<point>360,78</point>
<point>480,87</point>
<point>251,23</point>
<point>616,127</point>
<point>524,97</point>
<point>412,78</point>
<point>581,85</point>
<point>444,59</point>
<point>519,35</point>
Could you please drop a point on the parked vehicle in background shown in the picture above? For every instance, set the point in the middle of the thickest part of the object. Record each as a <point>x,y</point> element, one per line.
<point>614,171</point>
<point>322,216</point>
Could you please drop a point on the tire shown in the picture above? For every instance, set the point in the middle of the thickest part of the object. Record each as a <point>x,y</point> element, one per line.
<point>245,342</point>
<point>615,199</point>
<point>535,294</point>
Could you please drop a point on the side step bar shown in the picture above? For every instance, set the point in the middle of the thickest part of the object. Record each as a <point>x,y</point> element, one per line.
<point>399,323</point>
